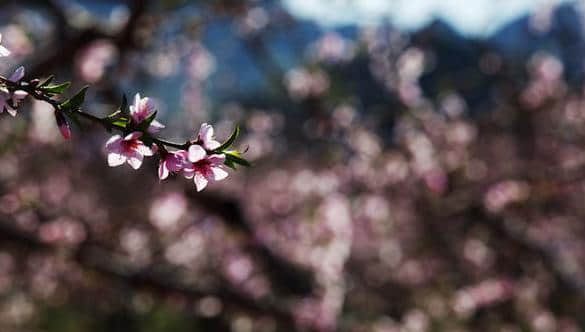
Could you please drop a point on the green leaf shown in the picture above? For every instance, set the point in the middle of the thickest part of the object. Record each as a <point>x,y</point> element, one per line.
<point>56,88</point>
<point>234,158</point>
<point>114,114</point>
<point>230,164</point>
<point>47,81</point>
<point>75,102</point>
<point>120,122</point>
<point>230,141</point>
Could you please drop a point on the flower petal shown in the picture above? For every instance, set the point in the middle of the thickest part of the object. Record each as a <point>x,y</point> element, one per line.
<point>163,171</point>
<point>113,144</point>
<point>219,173</point>
<point>135,160</point>
<point>11,110</point>
<point>133,135</point>
<point>144,150</point>
<point>196,153</point>
<point>17,75</point>
<point>216,159</point>
<point>116,159</point>
<point>189,172</point>
<point>200,181</point>
<point>211,144</point>
<point>4,51</point>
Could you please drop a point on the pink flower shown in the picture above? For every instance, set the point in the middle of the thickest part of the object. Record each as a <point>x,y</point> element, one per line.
<point>172,162</point>
<point>206,138</point>
<point>3,50</point>
<point>128,149</point>
<point>10,101</point>
<point>204,168</point>
<point>142,108</point>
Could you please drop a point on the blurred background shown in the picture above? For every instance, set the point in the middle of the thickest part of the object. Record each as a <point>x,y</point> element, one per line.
<point>418,166</point>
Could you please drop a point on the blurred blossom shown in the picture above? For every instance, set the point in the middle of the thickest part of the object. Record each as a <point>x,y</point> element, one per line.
<point>164,63</point>
<point>136,243</point>
<point>167,210</point>
<point>201,63</point>
<point>333,48</point>
<point>344,115</point>
<point>92,62</point>
<point>186,249</point>
<point>502,194</point>
<point>16,40</point>
<point>62,231</point>
<point>541,19</point>
<point>44,128</point>
<point>477,252</point>
<point>302,83</point>
<point>416,321</point>
<point>255,19</point>
<point>209,307</point>
<point>453,105</point>
<point>546,72</point>
<point>484,294</point>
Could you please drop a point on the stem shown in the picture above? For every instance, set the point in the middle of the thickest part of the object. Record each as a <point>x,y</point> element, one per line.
<point>37,94</point>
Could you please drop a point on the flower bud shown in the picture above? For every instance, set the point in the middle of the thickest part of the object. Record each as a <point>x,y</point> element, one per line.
<point>63,125</point>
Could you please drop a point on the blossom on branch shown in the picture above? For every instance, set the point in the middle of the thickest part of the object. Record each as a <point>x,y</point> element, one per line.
<point>206,137</point>
<point>128,149</point>
<point>204,168</point>
<point>142,109</point>
<point>10,100</point>
<point>171,162</point>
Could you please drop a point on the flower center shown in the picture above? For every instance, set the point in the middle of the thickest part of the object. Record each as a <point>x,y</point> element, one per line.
<point>129,145</point>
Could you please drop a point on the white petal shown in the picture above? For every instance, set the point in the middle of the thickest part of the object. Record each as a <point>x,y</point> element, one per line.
<point>196,153</point>
<point>113,144</point>
<point>17,75</point>
<point>219,173</point>
<point>135,160</point>
<point>116,159</point>
<point>211,144</point>
<point>216,159</point>
<point>4,51</point>
<point>163,171</point>
<point>11,110</point>
<point>200,181</point>
<point>144,150</point>
<point>155,127</point>
<point>133,135</point>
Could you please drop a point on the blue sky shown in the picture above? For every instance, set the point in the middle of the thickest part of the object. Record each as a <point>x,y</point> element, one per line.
<point>470,17</point>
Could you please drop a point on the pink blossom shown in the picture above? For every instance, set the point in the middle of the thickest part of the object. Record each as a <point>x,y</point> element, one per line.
<point>3,50</point>
<point>206,138</point>
<point>142,108</point>
<point>172,162</point>
<point>204,168</point>
<point>128,149</point>
<point>10,101</point>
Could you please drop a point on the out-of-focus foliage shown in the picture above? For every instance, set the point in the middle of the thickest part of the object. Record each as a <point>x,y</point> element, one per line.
<point>402,181</point>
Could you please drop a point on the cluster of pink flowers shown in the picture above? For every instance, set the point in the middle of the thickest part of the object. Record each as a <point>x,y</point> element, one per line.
<point>198,162</point>
<point>9,100</point>
<point>201,160</point>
